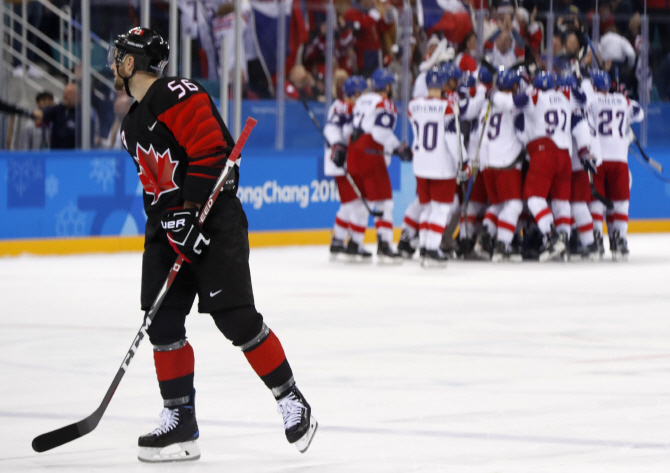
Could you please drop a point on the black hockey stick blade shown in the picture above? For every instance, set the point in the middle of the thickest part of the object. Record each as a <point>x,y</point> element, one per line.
<point>71,432</point>
<point>608,203</point>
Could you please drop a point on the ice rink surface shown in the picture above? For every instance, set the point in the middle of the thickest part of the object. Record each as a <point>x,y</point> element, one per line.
<point>476,368</point>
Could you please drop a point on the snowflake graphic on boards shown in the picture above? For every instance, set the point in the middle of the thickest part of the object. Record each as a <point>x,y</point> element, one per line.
<point>104,171</point>
<point>70,221</point>
<point>51,186</point>
<point>21,172</point>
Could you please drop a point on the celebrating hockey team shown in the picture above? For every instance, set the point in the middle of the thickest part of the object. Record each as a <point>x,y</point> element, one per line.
<point>511,163</point>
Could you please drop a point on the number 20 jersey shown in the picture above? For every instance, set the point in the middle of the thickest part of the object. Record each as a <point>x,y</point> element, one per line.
<point>179,144</point>
<point>436,142</point>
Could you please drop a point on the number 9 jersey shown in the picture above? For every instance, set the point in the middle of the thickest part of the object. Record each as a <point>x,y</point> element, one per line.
<point>436,142</point>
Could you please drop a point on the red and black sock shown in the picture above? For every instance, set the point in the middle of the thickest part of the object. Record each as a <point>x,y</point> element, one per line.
<point>175,364</point>
<point>266,356</point>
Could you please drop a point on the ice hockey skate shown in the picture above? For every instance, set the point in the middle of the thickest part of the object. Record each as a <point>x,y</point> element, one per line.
<point>554,246</point>
<point>598,237</point>
<point>618,247</point>
<point>483,246</point>
<point>434,259</point>
<point>386,254</point>
<point>357,253</point>
<point>406,245</point>
<point>299,423</point>
<point>337,249</point>
<point>505,253</point>
<point>175,438</point>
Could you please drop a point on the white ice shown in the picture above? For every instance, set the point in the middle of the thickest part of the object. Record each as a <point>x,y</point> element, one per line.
<point>476,368</point>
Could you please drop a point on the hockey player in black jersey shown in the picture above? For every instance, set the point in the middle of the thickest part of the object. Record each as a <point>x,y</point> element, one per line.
<point>180,145</point>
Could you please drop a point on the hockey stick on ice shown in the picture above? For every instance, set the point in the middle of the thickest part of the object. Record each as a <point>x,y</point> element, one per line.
<point>71,432</point>
<point>374,213</point>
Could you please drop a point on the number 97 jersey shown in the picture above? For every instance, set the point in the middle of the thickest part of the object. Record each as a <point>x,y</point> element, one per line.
<point>436,143</point>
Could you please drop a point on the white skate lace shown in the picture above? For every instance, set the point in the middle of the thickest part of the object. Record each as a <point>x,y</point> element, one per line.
<point>169,419</point>
<point>291,409</point>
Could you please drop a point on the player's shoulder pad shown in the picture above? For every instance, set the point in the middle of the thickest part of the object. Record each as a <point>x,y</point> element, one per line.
<point>169,91</point>
<point>387,105</point>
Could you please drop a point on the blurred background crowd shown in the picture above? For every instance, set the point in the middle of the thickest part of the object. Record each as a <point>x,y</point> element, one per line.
<point>367,34</point>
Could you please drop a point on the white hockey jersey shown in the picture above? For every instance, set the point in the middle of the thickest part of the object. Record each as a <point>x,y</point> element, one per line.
<point>501,145</point>
<point>337,130</point>
<point>547,113</point>
<point>614,113</point>
<point>436,142</point>
<point>375,116</point>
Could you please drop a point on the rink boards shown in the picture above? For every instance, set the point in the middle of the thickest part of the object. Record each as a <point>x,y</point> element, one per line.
<point>72,202</point>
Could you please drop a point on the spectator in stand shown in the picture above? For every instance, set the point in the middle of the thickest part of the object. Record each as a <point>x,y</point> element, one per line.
<point>368,24</point>
<point>466,55</point>
<point>617,50</point>
<point>530,30</point>
<point>224,27</point>
<point>65,120</point>
<point>34,134</point>
<point>300,85</point>
<point>506,46</point>
<point>437,51</point>
<point>122,105</point>
<point>314,52</point>
<point>637,85</point>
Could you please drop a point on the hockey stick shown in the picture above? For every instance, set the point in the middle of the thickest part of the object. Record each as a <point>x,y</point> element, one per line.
<point>653,170</point>
<point>374,213</point>
<point>607,202</point>
<point>475,169</point>
<point>652,162</point>
<point>71,432</point>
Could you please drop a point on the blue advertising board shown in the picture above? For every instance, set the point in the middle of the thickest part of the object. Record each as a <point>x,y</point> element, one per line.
<point>55,194</point>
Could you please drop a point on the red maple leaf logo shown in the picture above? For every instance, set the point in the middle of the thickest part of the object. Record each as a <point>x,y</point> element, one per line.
<point>156,171</point>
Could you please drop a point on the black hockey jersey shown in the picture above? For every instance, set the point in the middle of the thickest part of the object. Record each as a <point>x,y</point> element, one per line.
<point>179,143</point>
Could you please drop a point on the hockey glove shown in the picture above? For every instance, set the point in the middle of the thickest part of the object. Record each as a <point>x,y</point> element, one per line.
<point>404,152</point>
<point>339,154</point>
<point>588,160</point>
<point>463,175</point>
<point>184,233</point>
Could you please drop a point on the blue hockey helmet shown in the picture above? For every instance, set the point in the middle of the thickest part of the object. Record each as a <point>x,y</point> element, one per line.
<point>380,78</point>
<point>485,76</point>
<point>468,79</point>
<point>451,71</point>
<point>354,84</point>
<point>544,80</point>
<point>435,78</point>
<point>601,80</point>
<point>507,78</point>
<point>560,80</point>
